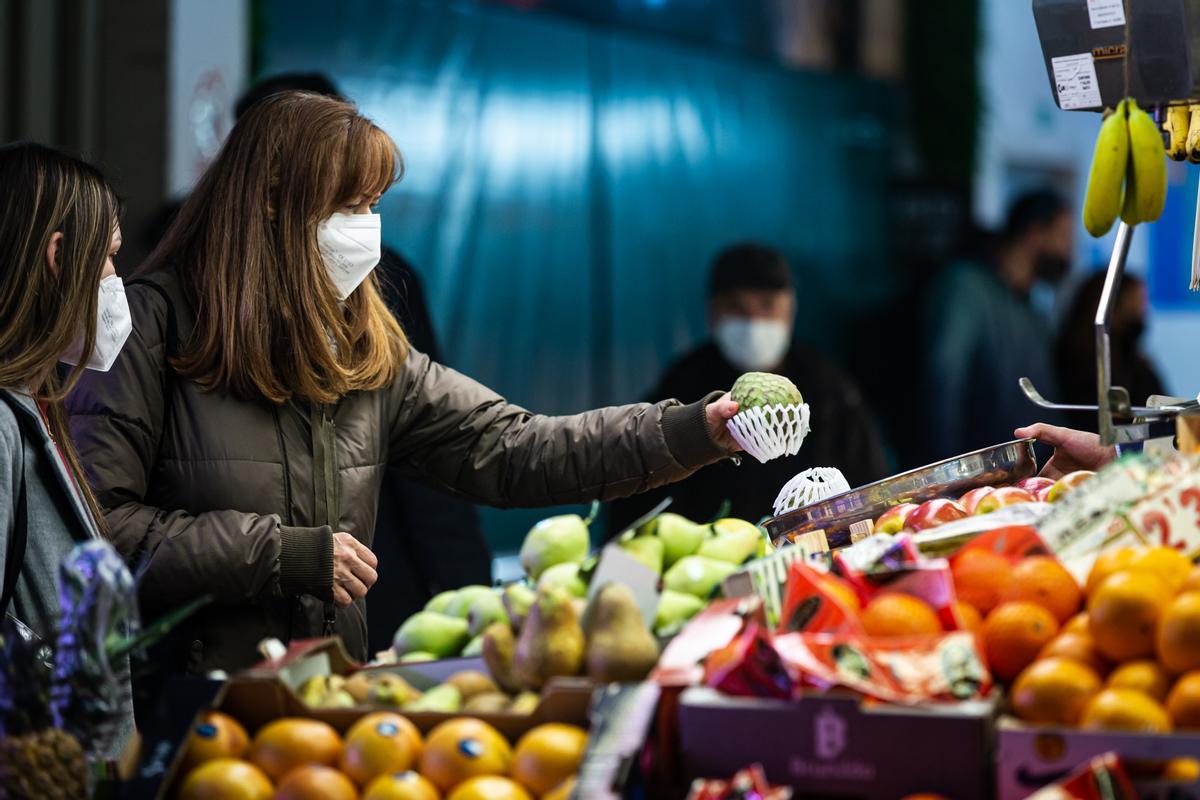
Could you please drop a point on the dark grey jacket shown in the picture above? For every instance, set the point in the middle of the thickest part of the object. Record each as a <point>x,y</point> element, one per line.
<point>56,519</point>
<point>240,499</point>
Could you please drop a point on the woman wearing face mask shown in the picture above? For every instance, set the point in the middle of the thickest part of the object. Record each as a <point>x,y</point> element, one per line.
<point>60,300</point>
<point>238,444</point>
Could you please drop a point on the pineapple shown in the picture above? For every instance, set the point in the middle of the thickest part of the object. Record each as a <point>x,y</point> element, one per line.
<point>37,760</point>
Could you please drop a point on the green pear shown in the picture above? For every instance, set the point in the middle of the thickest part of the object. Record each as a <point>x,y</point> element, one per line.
<point>473,648</point>
<point>439,602</point>
<point>646,549</point>
<point>551,642</point>
<point>741,526</point>
<point>389,689</point>
<point>734,546</point>
<point>565,576</point>
<point>416,657</point>
<point>438,634</point>
<point>680,537</point>
<point>675,609</point>
<point>487,608</point>
<point>498,646</point>
<point>465,598</point>
<point>518,599</point>
<point>620,648</point>
<point>557,540</point>
<point>443,697</point>
<point>697,575</point>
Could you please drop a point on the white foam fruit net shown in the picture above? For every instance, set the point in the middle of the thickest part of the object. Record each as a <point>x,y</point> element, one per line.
<point>769,432</point>
<point>809,487</point>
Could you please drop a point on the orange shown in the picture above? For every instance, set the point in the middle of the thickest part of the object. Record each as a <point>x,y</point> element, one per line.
<point>1182,770</point>
<point>562,791</point>
<point>1144,676</point>
<point>548,755</point>
<point>489,787</point>
<point>463,748</point>
<point>401,786</point>
<point>1054,690</point>
<point>969,618</point>
<point>312,782</point>
<point>896,614</point>
<point>1192,582</point>
<point>290,742</point>
<point>1077,624</point>
<point>1123,611</point>
<point>226,779</point>
<point>1042,580</point>
<point>1167,562</point>
<point>979,577</point>
<point>1078,646</point>
<point>844,594</point>
<point>1013,634</point>
<point>215,735</point>
<point>378,744</point>
<point>1178,639</point>
<point>1106,564</point>
<point>1125,710</point>
<point>1184,701</point>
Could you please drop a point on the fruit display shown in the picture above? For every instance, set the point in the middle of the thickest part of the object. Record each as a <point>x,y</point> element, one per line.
<point>383,756</point>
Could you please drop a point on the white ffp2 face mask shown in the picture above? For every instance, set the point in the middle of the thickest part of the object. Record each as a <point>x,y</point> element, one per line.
<point>113,326</point>
<point>752,345</point>
<point>350,246</point>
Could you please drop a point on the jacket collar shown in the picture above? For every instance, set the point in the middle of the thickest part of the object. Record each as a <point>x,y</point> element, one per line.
<point>28,406</point>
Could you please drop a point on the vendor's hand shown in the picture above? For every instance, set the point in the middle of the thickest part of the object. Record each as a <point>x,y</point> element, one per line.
<point>717,413</point>
<point>1073,450</point>
<point>353,569</point>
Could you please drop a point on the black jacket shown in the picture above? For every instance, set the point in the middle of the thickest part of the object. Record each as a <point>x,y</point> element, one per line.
<point>843,435</point>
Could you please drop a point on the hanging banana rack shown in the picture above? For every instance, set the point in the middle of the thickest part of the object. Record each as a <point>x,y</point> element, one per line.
<point>1097,53</point>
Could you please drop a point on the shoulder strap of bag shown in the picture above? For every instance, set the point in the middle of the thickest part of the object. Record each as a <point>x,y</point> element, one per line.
<point>14,557</point>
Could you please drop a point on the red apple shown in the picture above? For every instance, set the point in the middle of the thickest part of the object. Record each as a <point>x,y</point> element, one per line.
<point>932,513</point>
<point>971,499</point>
<point>892,520</point>
<point>1034,485</point>
<point>1068,483</point>
<point>1004,496</point>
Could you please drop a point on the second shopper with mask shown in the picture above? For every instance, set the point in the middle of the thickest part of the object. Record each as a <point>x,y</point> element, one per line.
<point>238,444</point>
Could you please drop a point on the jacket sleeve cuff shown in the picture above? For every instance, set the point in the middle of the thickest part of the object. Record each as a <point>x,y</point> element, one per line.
<point>306,561</point>
<point>685,429</point>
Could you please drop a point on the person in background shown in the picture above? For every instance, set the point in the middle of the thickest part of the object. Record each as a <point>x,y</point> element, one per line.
<point>983,334</point>
<point>60,300</point>
<point>434,541</point>
<point>1075,350</point>
<point>751,306</point>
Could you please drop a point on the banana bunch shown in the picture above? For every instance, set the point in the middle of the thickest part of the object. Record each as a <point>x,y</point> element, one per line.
<point>1129,170</point>
<point>1183,129</point>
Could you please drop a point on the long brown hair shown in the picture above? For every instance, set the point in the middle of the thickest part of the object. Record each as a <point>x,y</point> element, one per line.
<point>43,311</point>
<point>268,322</point>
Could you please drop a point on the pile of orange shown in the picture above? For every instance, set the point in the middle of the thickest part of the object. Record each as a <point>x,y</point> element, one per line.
<point>383,756</point>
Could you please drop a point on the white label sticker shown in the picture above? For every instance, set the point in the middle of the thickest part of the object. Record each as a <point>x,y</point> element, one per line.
<point>1075,81</point>
<point>1106,13</point>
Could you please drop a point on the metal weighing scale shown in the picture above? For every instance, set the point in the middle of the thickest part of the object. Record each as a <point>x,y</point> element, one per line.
<point>1096,54</point>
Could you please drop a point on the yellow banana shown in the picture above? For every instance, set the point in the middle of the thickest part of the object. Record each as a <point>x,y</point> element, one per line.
<point>1177,125</point>
<point>1146,180</point>
<point>1102,202</point>
<point>1193,137</point>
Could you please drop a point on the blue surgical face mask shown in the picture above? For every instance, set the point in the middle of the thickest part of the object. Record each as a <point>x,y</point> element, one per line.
<point>752,345</point>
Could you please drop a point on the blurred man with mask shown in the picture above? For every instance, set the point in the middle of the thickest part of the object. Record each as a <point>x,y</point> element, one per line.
<point>983,333</point>
<point>751,305</point>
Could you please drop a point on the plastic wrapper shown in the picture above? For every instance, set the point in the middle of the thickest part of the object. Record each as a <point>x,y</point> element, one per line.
<point>813,604</point>
<point>682,661</point>
<point>1102,778</point>
<point>749,666</point>
<point>808,487</point>
<point>97,598</point>
<point>768,432</point>
<point>748,784</point>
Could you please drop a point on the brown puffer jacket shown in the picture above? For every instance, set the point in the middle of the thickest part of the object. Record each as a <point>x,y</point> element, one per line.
<point>240,499</point>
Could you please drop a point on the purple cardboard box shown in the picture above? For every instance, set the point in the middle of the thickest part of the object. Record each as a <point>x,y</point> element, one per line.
<point>828,745</point>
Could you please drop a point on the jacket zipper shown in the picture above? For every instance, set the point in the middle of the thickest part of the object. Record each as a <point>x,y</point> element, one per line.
<point>326,454</point>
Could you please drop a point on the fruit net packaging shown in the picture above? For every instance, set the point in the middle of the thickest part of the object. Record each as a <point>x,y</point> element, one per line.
<point>772,419</point>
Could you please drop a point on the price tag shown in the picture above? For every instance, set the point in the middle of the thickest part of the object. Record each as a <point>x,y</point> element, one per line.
<point>1075,82</point>
<point>1106,13</point>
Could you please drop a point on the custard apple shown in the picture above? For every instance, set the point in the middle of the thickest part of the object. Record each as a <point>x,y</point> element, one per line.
<point>756,389</point>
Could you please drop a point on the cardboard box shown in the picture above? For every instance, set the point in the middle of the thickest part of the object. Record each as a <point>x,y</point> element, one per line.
<point>837,745</point>
<point>1029,757</point>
